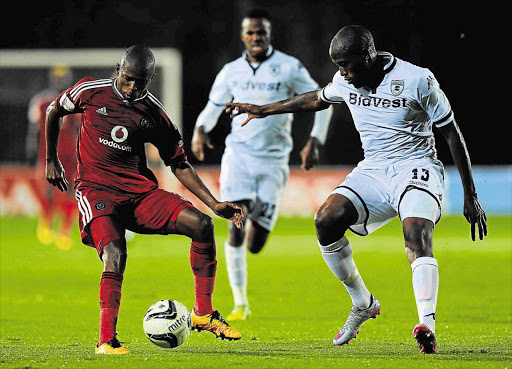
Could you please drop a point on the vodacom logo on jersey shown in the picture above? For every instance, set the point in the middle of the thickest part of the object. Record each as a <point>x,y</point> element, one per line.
<point>118,134</point>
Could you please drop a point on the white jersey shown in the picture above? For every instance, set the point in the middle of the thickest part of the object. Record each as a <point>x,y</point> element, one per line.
<point>277,78</point>
<point>395,120</point>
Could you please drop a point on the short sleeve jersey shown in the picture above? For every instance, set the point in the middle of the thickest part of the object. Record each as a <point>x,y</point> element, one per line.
<point>277,78</point>
<point>395,120</point>
<point>111,150</point>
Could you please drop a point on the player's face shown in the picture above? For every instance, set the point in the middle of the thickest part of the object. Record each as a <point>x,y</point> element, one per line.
<point>256,36</point>
<point>353,68</point>
<point>132,82</point>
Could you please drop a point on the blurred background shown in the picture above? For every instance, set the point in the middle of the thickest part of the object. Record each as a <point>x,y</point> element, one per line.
<point>206,34</point>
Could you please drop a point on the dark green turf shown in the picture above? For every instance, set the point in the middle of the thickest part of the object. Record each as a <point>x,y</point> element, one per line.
<point>49,302</point>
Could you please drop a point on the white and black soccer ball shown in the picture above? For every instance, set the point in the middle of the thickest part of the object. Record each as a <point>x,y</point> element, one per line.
<point>167,323</point>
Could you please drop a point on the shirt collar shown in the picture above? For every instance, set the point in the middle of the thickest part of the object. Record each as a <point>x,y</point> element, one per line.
<point>390,60</point>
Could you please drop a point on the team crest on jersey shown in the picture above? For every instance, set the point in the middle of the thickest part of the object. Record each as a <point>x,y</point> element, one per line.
<point>100,206</point>
<point>275,69</point>
<point>397,87</point>
<point>145,122</point>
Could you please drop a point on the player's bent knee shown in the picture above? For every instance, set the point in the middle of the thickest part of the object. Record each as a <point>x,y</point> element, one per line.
<point>204,228</point>
<point>114,256</point>
<point>330,226</point>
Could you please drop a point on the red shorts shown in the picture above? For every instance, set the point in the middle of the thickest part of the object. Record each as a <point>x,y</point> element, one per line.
<point>154,212</point>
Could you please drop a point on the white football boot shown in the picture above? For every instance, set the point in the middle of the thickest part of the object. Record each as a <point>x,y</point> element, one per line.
<point>356,317</point>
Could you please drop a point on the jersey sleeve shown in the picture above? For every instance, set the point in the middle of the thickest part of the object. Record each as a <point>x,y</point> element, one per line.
<point>209,116</point>
<point>330,93</point>
<point>303,82</point>
<point>219,93</point>
<point>167,139</point>
<point>70,100</point>
<point>433,100</point>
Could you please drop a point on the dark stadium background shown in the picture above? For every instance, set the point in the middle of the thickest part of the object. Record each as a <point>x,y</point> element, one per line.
<point>447,37</point>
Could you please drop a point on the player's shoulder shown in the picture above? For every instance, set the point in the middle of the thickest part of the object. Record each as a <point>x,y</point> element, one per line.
<point>94,81</point>
<point>234,64</point>
<point>409,71</point>
<point>89,85</point>
<point>157,109</point>
<point>420,78</point>
<point>282,57</point>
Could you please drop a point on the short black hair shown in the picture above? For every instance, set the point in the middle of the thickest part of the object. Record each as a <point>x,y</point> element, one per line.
<point>138,56</point>
<point>352,39</point>
<point>258,14</point>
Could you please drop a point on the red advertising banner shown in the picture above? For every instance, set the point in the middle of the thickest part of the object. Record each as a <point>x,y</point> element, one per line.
<point>22,190</point>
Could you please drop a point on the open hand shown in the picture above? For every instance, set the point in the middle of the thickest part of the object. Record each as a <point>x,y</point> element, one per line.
<point>252,111</point>
<point>230,211</point>
<point>475,215</point>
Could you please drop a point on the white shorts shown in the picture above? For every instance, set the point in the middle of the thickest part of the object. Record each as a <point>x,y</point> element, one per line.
<point>244,177</point>
<point>381,193</point>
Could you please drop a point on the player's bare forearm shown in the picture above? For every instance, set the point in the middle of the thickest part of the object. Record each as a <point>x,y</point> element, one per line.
<point>307,102</point>
<point>54,171</point>
<point>187,175</point>
<point>460,155</point>
<point>53,125</point>
<point>473,210</point>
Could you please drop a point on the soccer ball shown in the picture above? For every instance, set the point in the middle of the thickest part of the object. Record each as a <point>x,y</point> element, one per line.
<point>167,323</point>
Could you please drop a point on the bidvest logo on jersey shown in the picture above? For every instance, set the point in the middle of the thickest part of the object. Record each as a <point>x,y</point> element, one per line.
<point>360,100</point>
<point>261,86</point>
<point>119,134</point>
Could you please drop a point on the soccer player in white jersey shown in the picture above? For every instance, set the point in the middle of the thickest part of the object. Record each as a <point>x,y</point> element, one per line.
<point>254,167</point>
<point>394,105</point>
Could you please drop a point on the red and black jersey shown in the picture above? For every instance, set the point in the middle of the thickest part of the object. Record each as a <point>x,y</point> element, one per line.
<point>111,151</point>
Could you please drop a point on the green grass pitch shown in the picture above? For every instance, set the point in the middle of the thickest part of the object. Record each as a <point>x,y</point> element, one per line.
<point>49,301</point>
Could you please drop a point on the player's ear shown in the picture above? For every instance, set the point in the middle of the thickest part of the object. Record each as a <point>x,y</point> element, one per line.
<point>366,55</point>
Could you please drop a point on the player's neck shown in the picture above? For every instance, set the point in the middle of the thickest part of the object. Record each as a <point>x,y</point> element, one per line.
<point>375,75</point>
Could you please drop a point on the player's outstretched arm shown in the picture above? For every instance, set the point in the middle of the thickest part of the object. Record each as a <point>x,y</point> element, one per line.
<point>54,171</point>
<point>309,101</point>
<point>187,175</point>
<point>473,210</point>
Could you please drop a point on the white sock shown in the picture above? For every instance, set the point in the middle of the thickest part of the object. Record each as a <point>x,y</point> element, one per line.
<point>338,257</point>
<point>236,264</point>
<point>425,282</point>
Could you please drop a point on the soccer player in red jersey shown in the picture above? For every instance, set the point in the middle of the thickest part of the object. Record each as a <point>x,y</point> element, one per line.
<point>58,210</point>
<point>116,191</point>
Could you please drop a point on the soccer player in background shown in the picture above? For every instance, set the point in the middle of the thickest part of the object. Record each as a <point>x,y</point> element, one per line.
<point>57,210</point>
<point>116,191</point>
<point>254,167</point>
<point>394,105</point>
